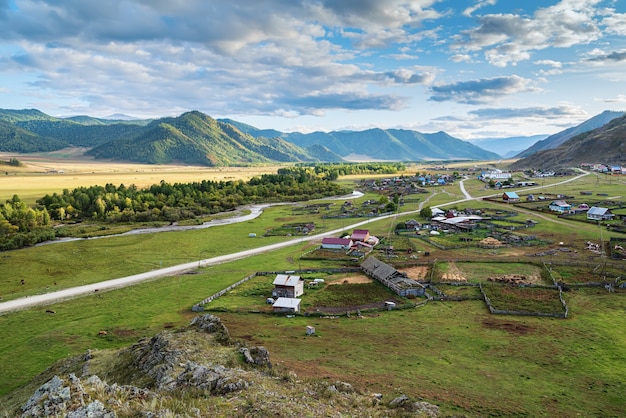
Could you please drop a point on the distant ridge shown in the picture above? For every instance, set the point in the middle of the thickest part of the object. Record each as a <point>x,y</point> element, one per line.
<point>559,138</point>
<point>381,144</point>
<point>606,145</point>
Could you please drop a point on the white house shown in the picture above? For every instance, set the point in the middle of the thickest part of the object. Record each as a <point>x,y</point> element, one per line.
<point>288,286</point>
<point>599,214</point>
<point>288,305</point>
<point>560,206</point>
<point>336,243</point>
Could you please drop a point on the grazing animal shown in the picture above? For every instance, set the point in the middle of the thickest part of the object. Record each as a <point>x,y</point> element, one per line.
<point>102,333</point>
<point>50,311</point>
<point>22,282</point>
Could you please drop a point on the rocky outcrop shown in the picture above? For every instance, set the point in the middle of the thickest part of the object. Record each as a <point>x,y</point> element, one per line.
<point>256,355</point>
<point>187,373</point>
<point>212,325</point>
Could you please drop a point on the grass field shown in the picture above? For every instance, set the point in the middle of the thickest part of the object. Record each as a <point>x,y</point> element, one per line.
<point>454,354</point>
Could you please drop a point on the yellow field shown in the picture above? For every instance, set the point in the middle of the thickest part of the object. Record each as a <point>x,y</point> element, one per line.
<point>43,174</point>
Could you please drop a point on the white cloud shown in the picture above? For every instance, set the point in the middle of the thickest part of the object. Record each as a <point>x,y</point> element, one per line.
<point>508,38</point>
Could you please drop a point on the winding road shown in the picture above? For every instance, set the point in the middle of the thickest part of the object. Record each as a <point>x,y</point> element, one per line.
<point>52,297</point>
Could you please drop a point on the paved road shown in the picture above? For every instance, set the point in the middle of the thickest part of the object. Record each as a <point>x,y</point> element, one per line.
<point>73,292</point>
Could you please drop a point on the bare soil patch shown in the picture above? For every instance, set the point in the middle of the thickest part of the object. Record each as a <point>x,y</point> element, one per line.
<point>416,272</point>
<point>510,327</point>
<point>359,278</point>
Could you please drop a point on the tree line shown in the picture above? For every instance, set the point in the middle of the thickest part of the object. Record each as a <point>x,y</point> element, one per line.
<point>21,225</point>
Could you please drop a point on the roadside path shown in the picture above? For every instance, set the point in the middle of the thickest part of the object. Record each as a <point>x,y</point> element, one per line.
<point>52,297</point>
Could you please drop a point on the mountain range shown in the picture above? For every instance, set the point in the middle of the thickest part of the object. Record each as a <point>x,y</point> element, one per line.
<point>196,138</point>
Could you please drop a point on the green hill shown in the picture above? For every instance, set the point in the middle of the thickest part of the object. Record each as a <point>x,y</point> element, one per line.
<point>195,138</point>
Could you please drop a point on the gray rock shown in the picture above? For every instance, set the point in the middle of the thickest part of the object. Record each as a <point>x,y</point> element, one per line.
<point>425,409</point>
<point>256,355</point>
<point>213,325</point>
<point>93,410</point>
<point>216,379</point>
<point>399,401</point>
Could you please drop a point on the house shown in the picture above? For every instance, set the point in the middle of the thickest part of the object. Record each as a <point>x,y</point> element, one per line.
<point>560,206</point>
<point>360,235</point>
<point>437,212</point>
<point>495,175</point>
<point>330,243</point>
<point>599,214</point>
<point>510,197</point>
<point>286,305</point>
<point>412,224</point>
<point>288,286</point>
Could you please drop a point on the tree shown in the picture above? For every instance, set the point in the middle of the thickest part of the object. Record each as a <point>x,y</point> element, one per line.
<point>426,212</point>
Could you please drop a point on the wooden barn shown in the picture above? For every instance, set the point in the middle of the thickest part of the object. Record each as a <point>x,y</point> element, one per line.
<point>392,278</point>
<point>288,286</point>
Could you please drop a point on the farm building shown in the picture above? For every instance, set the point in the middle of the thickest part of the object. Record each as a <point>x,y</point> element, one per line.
<point>599,214</point>
<point>392,278</point>
<point>412,224</point>
<point>330,243</point>
<point>360,235</point>
<point>286,305</point>
<point>560,206</point>
<point>288,286</point>
<point>510,197</point>
<point>437,212</point>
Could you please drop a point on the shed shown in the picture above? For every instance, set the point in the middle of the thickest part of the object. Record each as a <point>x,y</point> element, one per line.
<point>510,197</point>
<point>287,305</point>
<point>288,286</point>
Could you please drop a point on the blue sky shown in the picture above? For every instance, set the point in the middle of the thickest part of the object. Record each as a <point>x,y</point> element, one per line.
<point>473,68</point>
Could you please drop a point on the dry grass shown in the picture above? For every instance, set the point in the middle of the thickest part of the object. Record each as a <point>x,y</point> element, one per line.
<point>48,173</point>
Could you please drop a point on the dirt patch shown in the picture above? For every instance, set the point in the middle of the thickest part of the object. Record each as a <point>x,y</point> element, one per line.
<point>122,332</point>
<point>353,308</point>
<point>359,278</point>
<point>416,272</point>
<point>510,327</point>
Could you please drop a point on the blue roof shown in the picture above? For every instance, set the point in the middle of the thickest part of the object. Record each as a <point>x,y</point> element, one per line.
<point>595,210</point>
<point>511,195</point>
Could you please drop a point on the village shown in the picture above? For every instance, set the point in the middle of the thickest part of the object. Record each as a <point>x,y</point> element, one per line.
<point>505,226</point>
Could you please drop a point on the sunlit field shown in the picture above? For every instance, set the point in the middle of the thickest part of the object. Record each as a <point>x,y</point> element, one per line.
<point>48,173</point>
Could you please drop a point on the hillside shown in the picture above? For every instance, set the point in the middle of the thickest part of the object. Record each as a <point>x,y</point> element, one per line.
<point>382,144</point>
<point>559,138</point>
<point>606,145</point>
<point>195,138</point>
<point>198,371</point>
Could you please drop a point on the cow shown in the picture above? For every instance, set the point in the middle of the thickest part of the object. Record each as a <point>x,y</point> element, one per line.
<point>102,333</point>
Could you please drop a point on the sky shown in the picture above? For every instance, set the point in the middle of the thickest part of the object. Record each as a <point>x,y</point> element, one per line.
<point>471,68</point>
